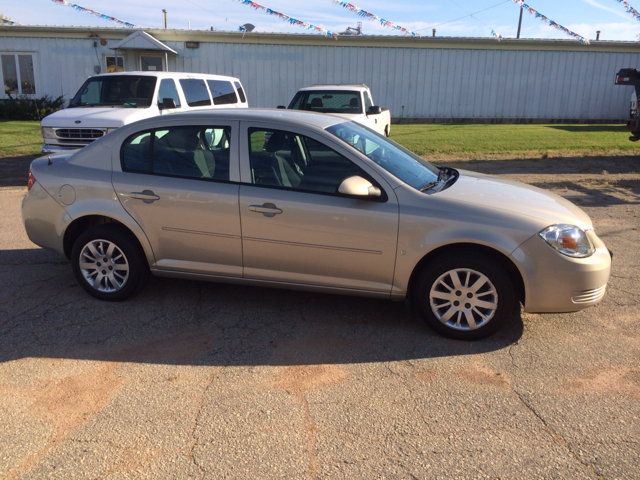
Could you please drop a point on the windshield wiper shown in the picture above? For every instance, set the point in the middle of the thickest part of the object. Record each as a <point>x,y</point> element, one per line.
<point>431,185</point>
<point>444,175</point>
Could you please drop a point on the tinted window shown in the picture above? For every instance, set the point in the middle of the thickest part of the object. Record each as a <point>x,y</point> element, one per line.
<point>195,91</point>
<point>188,152</point>
<point>136,153</point>
<point>241,94</point>
<point>168,90</point>
<point>222,92</point>
<point>116,91</point>
<point>284,159</point>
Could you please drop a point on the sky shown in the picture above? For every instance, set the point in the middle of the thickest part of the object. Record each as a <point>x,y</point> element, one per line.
<point>450,18</point>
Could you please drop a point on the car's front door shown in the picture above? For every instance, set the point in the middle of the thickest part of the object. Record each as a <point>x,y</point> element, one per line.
<point>181,185</point>
<point>297,229</point>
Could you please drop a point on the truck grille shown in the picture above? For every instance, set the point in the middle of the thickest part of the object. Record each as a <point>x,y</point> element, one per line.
<point>81,134</point>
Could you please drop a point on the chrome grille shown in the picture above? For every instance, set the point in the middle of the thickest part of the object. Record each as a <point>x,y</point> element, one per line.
<point>86,134</point>
<point>589,296</point>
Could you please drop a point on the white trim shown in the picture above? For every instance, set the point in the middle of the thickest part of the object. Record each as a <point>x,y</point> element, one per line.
<point>36,80</point>
<point>142,41</point>
<point>155,55</point>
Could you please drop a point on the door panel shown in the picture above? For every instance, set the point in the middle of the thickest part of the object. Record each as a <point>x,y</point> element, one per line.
<point>318,239</point>
<point>296,228</point>
<point>192,223</point>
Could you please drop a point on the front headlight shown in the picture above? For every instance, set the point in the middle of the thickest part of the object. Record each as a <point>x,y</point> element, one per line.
<point>568,240</point>
<point>47,132</point>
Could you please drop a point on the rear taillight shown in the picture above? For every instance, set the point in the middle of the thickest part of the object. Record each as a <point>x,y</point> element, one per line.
<point>30,181</point>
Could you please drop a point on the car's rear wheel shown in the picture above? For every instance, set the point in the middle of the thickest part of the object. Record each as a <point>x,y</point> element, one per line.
<point>464,296</point>
<point>108,263</point>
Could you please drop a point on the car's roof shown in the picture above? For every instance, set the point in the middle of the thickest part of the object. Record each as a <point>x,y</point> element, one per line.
<point>359,87</point>
<point>169,75</point>
<point>319,120</point>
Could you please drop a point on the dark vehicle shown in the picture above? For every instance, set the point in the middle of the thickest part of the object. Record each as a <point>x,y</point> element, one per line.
<point>631,76</point>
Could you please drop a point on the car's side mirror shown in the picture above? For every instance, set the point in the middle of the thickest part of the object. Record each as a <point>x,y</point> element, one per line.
<point>167,103</point>
<point>282,107</point>
<point>374,110</point>
<point>359,187</point>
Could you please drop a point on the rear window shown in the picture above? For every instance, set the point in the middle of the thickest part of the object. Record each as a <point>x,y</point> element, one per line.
<point>222,92</point>
<point>328,101</point>
<point>195,92</point>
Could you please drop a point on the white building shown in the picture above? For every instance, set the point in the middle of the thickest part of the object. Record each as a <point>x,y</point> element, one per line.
<point>423,79</point>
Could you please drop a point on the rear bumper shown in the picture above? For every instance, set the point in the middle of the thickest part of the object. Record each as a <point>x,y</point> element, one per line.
<point>555,283</point>
<point>44,219</point>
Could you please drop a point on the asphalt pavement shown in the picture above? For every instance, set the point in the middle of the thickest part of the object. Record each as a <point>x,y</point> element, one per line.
<point>205,380</point>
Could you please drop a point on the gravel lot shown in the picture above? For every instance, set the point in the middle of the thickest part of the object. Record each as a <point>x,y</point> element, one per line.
<point>204,380</point>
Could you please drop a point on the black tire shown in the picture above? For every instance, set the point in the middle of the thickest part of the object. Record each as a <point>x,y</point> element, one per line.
<point>123,274</point>
<point>486,297</point>
<point>386,131</point>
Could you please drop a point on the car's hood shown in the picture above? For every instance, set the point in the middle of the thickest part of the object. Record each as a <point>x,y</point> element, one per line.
<point>515,197</point>
<point>94,117</point>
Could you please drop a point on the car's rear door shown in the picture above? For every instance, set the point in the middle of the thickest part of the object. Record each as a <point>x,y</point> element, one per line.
<point>180,184</point>
<point>297,229</point>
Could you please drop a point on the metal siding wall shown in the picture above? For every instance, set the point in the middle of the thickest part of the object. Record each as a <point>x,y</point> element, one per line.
<point>429,83</point>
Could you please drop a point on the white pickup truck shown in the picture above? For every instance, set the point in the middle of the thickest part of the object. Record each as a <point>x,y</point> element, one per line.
<point>350,101</point>
<point>106,102</point>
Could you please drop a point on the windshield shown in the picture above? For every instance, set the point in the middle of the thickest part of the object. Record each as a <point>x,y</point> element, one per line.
<point>115,91</point>
<point>395,159</point>
<point>327,101</point>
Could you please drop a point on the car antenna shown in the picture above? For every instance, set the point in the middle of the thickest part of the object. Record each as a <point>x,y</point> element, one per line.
<point>49,162</point>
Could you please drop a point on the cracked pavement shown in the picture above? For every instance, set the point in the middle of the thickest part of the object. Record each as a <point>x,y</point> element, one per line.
<point>203,380</point>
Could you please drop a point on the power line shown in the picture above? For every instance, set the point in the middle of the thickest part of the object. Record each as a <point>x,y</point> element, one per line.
<point>465,16</point>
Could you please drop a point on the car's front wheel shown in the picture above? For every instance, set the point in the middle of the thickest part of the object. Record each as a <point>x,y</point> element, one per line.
<point>464,296</point>
<point>108,263</point>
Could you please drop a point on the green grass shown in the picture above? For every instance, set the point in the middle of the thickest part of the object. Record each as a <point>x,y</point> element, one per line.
<point>514,141</point>
<point>435,140</point>
<point>19,138</point>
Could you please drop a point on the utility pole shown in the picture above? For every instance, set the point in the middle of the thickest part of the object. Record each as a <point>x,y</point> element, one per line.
<point>519,22</point>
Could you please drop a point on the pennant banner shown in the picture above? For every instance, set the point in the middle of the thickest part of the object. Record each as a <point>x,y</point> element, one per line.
<point>94,13</point>
<point>283,17</point>
<point>496,35</point>
<point>630,10</point>
<point>8,22</point>
<point>551,23</point>
<point>370,16</point>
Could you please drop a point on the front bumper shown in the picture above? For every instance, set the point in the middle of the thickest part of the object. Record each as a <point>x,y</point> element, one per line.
<point>57,148</point>
<point>555,283</point>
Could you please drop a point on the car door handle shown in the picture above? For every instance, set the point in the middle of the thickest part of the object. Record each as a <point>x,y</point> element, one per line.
<point>268,209</point>
<point>147,196</point>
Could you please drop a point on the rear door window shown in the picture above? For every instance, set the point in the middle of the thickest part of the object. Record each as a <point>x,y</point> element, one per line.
<point>222,92</point>
<point>195,92</point>
<point>168,90</point>
<point>200,152</point>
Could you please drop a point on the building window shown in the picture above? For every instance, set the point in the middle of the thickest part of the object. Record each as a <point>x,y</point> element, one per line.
<point>17,74</point>
<point>111,64</point>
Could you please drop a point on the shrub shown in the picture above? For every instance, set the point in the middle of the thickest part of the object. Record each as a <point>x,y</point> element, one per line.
<point>23,107</point>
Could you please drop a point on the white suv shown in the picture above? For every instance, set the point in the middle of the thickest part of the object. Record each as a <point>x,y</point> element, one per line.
<point>106,102</point>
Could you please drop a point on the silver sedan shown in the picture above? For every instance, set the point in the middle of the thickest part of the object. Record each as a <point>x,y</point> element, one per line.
<point>308,201</point>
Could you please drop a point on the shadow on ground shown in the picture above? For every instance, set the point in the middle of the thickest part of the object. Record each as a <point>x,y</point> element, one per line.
<point>591,128</point>
<point>14,171</point>
<point>46,314</point>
